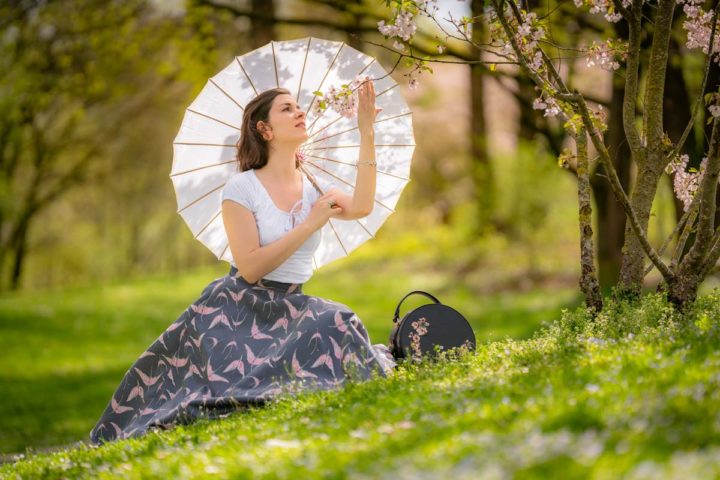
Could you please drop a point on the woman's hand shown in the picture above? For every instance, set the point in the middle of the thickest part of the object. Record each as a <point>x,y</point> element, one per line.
<point>366,106</point>
<point>321,211</point>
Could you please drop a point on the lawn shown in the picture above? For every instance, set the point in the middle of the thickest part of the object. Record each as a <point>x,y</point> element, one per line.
<point>63,352</point>
<point>633,394</point>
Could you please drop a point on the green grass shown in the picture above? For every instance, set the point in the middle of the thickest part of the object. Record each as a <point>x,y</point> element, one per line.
<point>633,394</point>
<point>64,352</point>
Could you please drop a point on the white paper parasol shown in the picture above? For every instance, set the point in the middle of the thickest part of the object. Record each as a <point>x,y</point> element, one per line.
<point>204,148</point>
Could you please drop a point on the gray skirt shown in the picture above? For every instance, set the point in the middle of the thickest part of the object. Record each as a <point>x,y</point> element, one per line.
<point>241,344</point>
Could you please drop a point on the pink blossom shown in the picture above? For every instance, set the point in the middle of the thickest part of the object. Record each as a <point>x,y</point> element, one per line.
<point>343,100</point>
<point>685,183</point>
<point>547,104</point>
<point>605,7</point>
<point>403,26</point>
<point>605,54</point>
<point>698,27</point>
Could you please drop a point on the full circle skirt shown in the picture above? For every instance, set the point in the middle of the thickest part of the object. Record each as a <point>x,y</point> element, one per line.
<point>240,344</point>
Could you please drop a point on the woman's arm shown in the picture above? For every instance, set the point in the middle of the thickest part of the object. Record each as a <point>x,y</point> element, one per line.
<point>253,261</point>
<point>361,203</point>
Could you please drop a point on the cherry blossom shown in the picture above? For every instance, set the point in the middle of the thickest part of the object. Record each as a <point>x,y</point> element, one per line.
<point>403,25</point>
<point>547,104</point>
<point>344,100</point>
<point>605,54</point>
<point>685,183</point>
<point>698,27</point>
<point>606,7</point>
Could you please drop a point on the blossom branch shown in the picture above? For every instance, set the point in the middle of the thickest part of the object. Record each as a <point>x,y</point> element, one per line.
<point>623,11</point>
<point>691,123</point>
<point>560,84</point>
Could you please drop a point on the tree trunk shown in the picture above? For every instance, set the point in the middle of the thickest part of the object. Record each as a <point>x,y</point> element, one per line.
<point>651,161</point>
<point>588,276</point>
<point>18,248</point>
<point>262,31</point>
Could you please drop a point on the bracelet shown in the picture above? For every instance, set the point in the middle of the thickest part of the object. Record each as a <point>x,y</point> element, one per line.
<point>372,163</point>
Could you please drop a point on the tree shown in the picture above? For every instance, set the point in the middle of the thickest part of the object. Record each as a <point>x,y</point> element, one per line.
<point>72,69</point>
<point>519,37</point>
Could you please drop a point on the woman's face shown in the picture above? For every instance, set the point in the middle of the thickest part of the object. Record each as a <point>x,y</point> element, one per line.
<point>287,121</point>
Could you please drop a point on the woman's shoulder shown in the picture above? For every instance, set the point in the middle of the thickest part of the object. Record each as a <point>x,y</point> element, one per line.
<point>240,180</point>
<point>239,187</point>
<point>240,176</point>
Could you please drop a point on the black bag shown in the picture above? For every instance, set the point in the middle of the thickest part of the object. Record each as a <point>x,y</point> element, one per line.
<point>429,326</point>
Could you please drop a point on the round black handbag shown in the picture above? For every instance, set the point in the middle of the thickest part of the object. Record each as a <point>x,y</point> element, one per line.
<point>429,329</point>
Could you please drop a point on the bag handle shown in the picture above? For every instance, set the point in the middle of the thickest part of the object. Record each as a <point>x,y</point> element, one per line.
<point>397,310</point>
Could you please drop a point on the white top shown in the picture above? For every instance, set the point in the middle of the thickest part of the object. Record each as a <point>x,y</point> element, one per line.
<point>272,223</point>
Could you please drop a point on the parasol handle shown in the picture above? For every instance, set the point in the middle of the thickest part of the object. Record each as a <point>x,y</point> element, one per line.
<point>312,180</point>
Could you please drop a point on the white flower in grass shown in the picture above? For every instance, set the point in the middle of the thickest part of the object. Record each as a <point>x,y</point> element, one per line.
<point>279,442</point>
<point>385,428</point>
<point>592,388</point>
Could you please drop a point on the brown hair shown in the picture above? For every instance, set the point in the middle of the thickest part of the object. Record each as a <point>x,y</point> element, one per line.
<point>252,148</point>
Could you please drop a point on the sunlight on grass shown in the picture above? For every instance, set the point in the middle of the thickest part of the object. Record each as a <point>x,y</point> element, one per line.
<point>628,394</point>
<point>75,345</point>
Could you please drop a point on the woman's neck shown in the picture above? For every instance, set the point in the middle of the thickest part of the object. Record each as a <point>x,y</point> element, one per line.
<point>281,163</point>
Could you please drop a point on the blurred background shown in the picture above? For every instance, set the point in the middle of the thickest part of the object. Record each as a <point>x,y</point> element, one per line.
<point>95,262</point>
<point>94,93</point>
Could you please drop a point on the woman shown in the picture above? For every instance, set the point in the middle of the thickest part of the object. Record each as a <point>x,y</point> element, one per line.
<point>253,334</point>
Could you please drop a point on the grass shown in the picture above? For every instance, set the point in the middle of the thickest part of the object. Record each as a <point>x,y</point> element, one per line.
<point>633,394</point>
<point>64,352</point>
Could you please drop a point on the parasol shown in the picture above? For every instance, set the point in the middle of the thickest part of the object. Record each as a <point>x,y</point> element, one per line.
<point>204,148</point>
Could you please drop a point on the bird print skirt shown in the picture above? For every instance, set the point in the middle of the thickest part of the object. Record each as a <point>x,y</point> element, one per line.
<point>241,344</point>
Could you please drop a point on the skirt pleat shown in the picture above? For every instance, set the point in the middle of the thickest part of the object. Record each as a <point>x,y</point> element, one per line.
<point>241,344</point>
